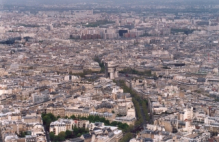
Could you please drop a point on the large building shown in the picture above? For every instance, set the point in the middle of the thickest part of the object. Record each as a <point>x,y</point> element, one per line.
<point>62,125</point>
<point>40,98</point>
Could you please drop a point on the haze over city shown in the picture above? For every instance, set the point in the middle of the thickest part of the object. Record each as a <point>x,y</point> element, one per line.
<point>23,2</point>
<point>109,71</point>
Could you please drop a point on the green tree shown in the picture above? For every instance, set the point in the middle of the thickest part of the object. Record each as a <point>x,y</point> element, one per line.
<point>68,134</point>
<point>75,129</point>
<point>114,123</point>
<point>138,103</point>
<point>106,122</point>
<point>73,117</point>
<point>66,117</point>
<point>102,119</point>
<point>52,136</point>
<point>79,134</point>
<point>47,119</point>
<point>133,71</point>
<point>56,139</point>
<point>126,137</point>
<point>91,118</point>
<point>22,134</point>
<point>61,136</point>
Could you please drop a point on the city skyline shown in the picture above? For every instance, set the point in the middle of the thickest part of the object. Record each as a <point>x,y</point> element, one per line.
<point>109,71</point>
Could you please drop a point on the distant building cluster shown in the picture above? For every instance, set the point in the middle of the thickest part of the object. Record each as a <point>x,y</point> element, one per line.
<point>148,73</point>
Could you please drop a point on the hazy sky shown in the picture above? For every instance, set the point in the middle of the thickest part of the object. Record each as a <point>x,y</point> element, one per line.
<point>89,1</point>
